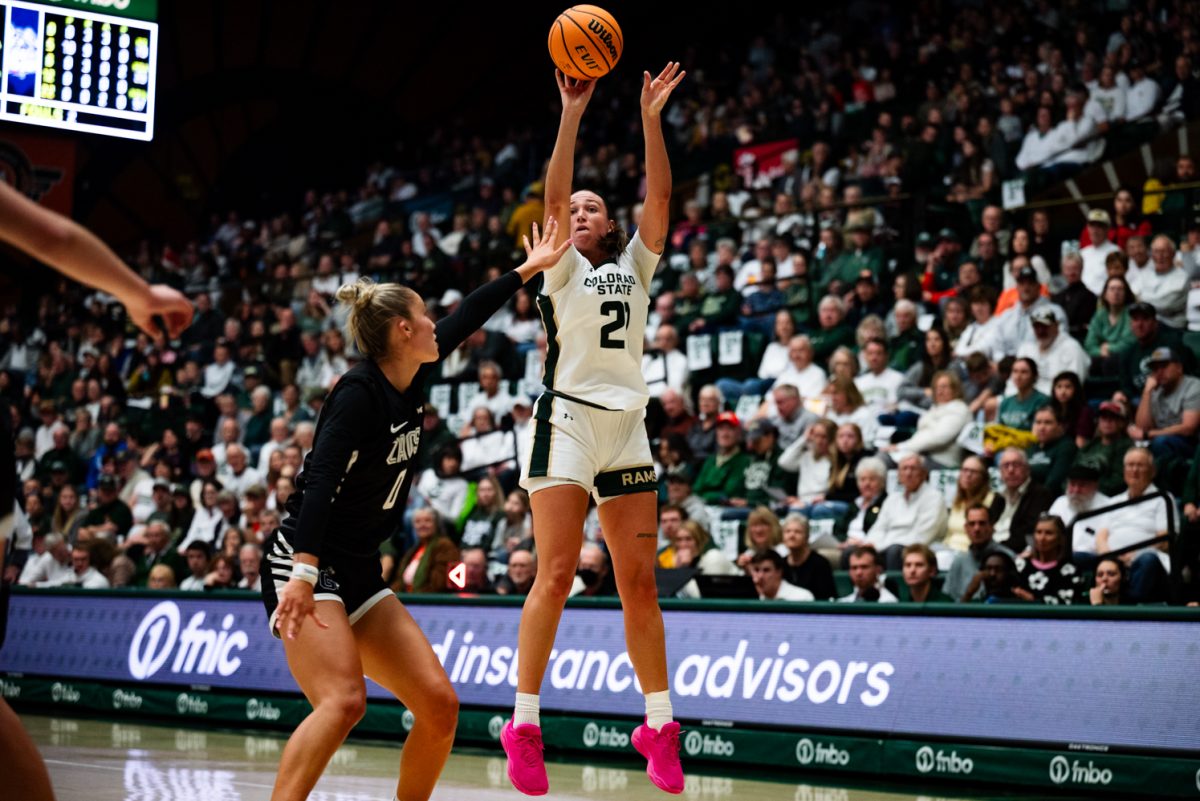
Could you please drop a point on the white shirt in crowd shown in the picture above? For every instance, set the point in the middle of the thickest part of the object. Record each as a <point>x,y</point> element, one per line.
<point>789,592</point>
<point>1136,523</point>
<point>774,360</point>
<point>1064,354</point>
<point>1084,535</point>
<point>880,391</point>
<point>662,370</point>
<point>885,596</point>
<point>810,381</point>
<point>1167,293</point>
<point>907,519</point>
<point>1141,99</point>
<point>43,570</point>
<point>1095,274</point>
<point>977,338</point>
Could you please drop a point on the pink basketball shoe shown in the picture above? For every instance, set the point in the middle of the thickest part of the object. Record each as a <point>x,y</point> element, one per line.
<point>526,767</point>
<point>661,750</point>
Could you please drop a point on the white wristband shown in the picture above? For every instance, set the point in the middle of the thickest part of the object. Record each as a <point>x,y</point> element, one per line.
<point>306,573</point>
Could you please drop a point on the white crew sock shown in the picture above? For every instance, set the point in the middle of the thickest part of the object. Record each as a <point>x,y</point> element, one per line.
<point>527,710</point>
<point>658,709</point>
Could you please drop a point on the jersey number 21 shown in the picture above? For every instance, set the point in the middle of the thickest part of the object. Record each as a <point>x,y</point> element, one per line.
<point>619,311</point>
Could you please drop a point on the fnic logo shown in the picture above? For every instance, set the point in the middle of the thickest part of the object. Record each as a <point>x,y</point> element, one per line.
<point>1063,770</point>
<point>197,649</point>
<point>809,752</point>
<point>696,743</point>
<point>603,736</point>
<point>939,761</point>
<point>495,726</point>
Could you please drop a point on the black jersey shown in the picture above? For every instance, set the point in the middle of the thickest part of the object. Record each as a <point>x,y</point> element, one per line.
<point>353,488</point>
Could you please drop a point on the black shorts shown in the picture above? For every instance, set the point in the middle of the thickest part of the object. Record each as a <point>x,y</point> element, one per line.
<point>353,581</point>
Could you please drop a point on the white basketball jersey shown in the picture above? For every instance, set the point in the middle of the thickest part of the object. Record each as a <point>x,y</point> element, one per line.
<point>595,321</point>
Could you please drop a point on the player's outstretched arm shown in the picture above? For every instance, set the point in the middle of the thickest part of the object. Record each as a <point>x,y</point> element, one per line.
<point>76,252</point>
<point>656,209</point>
<point>575,96</point>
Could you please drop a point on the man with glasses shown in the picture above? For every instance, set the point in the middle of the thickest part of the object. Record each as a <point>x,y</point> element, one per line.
<point>1024,500</point>
<point>915,514</point>
<point>1129,525</point>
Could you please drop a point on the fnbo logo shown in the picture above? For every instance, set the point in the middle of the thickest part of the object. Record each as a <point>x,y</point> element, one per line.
<point>1062,770</point>
<point>696,743</point>
<point>808,753</point>
<point>928,760</point>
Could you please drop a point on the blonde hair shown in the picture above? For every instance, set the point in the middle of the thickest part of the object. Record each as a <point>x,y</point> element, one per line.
<point>372,308</point>
<point>762,514</point>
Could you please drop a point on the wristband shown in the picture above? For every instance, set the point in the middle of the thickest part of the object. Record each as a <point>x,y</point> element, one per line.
<point>306,573</point>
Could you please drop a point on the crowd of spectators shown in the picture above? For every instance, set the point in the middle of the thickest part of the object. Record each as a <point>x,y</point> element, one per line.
<point>858,360</point>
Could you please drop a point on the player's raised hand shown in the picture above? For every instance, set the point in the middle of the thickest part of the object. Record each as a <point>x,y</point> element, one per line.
<point>655,91</point>
<point>575,93</point>
<point>542,254</point>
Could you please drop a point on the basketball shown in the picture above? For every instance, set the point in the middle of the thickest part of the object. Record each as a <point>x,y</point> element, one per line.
<point>585,42</point>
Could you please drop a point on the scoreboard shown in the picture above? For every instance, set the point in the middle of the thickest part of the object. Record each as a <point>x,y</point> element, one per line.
<point>79,65</point>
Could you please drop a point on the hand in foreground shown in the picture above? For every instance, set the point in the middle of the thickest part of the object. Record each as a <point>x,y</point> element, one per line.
<point>656,91</point>
<point>542,254</point>
<point>169,304</point>
<point>296,604</point>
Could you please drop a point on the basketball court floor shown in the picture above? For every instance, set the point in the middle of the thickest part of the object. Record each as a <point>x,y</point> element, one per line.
<point>102,760</point>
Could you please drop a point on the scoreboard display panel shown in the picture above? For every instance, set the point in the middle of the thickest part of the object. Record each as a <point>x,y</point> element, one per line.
<point>70,64</point>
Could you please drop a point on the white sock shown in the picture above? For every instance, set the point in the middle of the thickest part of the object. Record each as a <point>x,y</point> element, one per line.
<point>658,709</point>
<point>527,710</point>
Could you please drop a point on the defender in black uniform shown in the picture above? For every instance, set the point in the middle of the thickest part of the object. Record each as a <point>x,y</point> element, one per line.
<point>323,562</point>
<point>77,253</point>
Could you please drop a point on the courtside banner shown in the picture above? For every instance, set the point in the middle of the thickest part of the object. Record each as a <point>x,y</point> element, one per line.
<point>1086,684</point>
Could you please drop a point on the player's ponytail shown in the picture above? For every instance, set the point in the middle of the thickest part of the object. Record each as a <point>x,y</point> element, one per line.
<point>372,308</point>
<point>615,241</point>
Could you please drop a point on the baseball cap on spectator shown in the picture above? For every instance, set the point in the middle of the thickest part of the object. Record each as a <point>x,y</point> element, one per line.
<point>866,277</point>
<point>251,372</point>
<point>1083,472</point>
<point>107,482</point>
<point>58,466</point>
<point>1027,274</point>
<point>1113,409</point>
<point>1163,356</point>
<point>759,428</point>
<point>1142,309</point>
<point>205,455</point>
<point>1043,315</point>
<point>1099,217</point>
<point>729,419</point>
<point>450,297</point>
<point>162,483</point>
<point>925,240</point>
<point>947,235</point>
<point>180,489</point>
<point>88,350</point>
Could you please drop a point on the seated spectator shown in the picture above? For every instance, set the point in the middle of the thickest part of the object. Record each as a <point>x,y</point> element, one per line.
<point>998,580</point>
<point>443,485</point>
<point>763,531</point>
<point>879,384</point>
<point>1106,450</point>
<point>767,481</point>
<point>1076,299</point>
<point>917,389</point>
<point>1112,583</point>
<point>1096,249</point>
<point>1166,286</point>
<point>805,567</point>
<point>1016,410</point>
<point>249,561</point>
<point>1040,143</point>
<point>865,576</point>
<point>67,517</point>
<point>475,572</point>
<point>197,556</point>
<point>843,487</point>
<point>907,343</point>
<point>425,566</point>
<point>53,567</point>
<point>664,367</point>
<point>1070,405</point>
<point>702,438</point>
<point>1121,528</point>
<point>722,476</point>
<point>161,577</point>
<point>719,309</point>
<point>831,332</point>
<point>766,569</point>
<point>1169,413</point>
<point>221,573</point>
<point>518,580</point>
<point>843,364</point>
<point>812,459</point>
<point>954,320</point>
<point>801,372</point>
<point>1149,334</point>
<point>1083,495</point>
<point>968,564</point>
<point>691,546</point>
<point>983,386</point>
<point>677,419</point>
<point>482,526</point>
<point>110,518</point>
<point>1024,501</point>
<point>517,527</point>
<point>1108,333</point>
<point>495,396</point>
<point>790,417</point>
<point>155,548</point>
<point>920,567</point>
<point>593,576</point>
<point>974,489</point>
<point>915,514</point>
<point>871,477</point>
<point>1048,574</point>
<point>1015,325</point>
<point>774,361</point>
<point>1052,454</point>
<point>679,493</point>
<point>1053,350</point>
<point>238,476</point>
<point>936,437</point>
<point>982,333</point>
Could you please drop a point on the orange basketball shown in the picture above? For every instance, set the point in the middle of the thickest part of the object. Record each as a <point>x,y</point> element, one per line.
<point>585,42</point>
